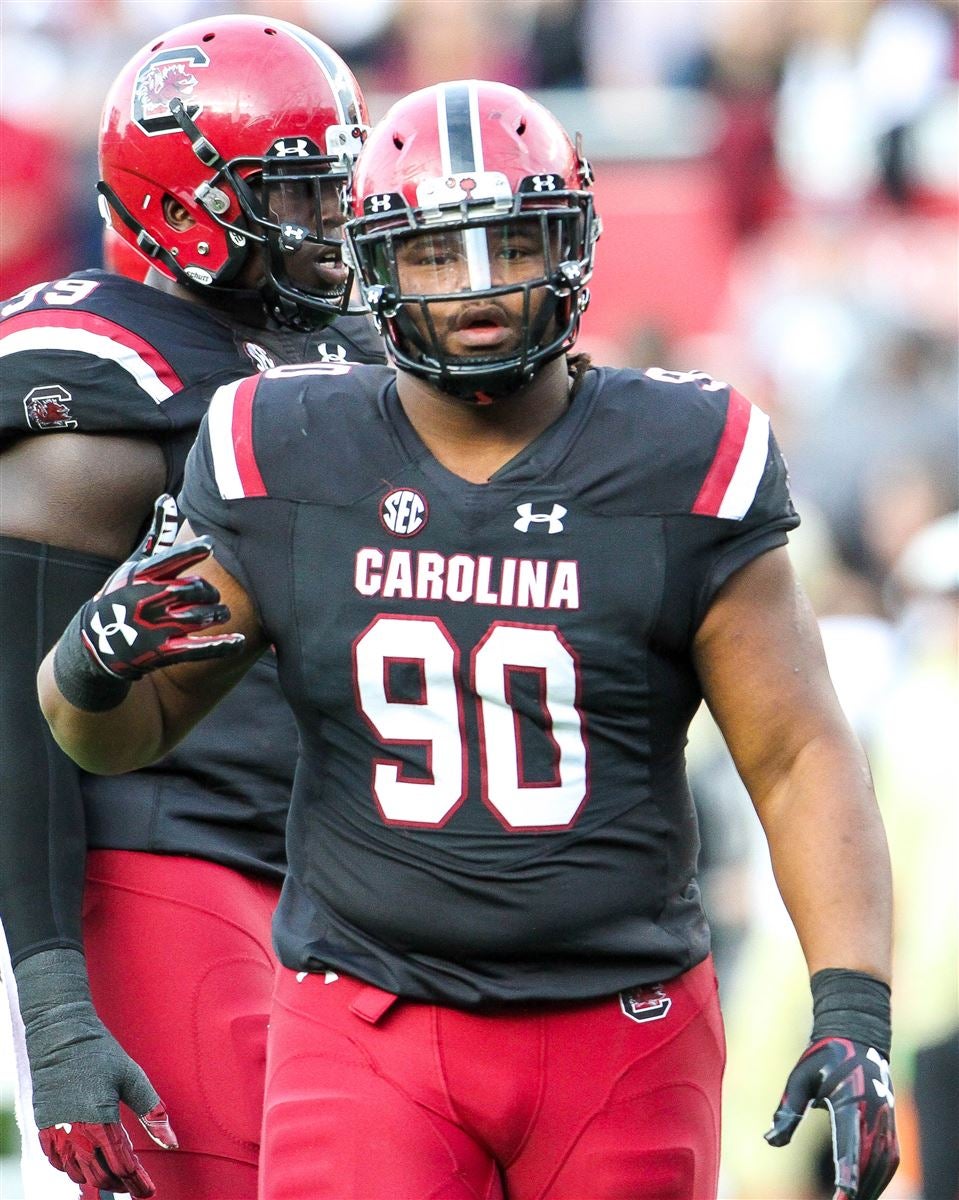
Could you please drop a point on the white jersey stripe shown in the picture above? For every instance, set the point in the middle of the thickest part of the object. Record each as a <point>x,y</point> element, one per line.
<point>744,484</point>
<point>82,341</point>
<point>220,421</point>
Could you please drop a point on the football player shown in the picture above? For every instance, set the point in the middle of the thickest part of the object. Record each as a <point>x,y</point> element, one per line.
<point>499,582</point>
<point>224,150</point>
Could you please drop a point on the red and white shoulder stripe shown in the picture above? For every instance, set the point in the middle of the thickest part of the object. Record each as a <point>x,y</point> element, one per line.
<point>230,422</point>
<point>86,333</point>
<point>737,468</point>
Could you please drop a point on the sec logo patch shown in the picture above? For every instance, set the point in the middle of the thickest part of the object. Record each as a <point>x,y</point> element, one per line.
<point>404,512</point>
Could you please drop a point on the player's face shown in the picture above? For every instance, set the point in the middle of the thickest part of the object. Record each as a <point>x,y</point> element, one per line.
<point>451,261</point>
<point>316,206</point>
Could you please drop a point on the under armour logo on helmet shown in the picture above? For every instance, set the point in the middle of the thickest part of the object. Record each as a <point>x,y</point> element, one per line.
<point>544,183</point>
<point>554,518</point>
<point>291,148</point>
<point>382,203</point>
<point>117,625</point>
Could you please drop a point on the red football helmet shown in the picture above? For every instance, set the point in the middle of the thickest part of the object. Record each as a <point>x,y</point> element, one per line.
<point>228,137</point>
<point>473,191</point>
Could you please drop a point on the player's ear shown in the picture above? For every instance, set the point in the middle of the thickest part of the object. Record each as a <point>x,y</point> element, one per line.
<point>176,215</point>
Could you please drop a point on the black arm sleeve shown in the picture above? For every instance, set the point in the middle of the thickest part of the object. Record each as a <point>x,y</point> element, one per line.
<point>43,847</point>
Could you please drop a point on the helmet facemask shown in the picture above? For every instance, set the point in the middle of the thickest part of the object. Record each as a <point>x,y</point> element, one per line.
<point>418,267</point>
<point>282,205</point>
<point>293,209</point>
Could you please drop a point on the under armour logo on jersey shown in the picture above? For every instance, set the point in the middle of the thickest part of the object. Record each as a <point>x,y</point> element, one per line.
<point>291,148</point>
<point>883,1084</point>
<point>527,517</point>
<point>404,512</point>
<point>325,353</point>
<point>117,626</point>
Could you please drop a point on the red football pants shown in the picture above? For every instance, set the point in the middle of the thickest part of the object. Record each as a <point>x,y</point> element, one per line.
<point>182,970</point>
<point>373,1098</point>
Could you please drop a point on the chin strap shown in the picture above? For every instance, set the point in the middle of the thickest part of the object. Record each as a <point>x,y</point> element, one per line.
<point>145,243</point>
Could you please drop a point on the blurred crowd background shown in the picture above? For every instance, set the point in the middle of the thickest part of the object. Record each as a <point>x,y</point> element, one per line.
<point>779,184</point>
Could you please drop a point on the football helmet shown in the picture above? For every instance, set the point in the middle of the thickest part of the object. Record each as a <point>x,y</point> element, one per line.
<point>122,257</point>
<point>230,137</point>
<point>472,191</point>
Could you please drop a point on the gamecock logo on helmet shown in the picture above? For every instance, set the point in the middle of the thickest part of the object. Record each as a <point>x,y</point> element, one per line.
<point>48,408</point>
<point>167,76</point>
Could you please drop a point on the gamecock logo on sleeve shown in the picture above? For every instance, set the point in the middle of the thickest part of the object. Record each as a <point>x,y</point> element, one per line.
<point>167,76</point>
<point>48,408</point>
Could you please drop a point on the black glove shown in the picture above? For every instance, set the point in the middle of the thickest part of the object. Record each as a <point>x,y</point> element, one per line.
<point>145,616</point>
<point>849,1077</point>
<point>80,1074</point>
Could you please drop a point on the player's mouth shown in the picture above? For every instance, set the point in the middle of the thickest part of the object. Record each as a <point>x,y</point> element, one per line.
<point>330,271</point>
<point>482,327</point>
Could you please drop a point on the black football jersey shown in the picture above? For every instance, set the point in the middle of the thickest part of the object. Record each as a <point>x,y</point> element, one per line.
<point>99,353</point>
<point>492,683</point>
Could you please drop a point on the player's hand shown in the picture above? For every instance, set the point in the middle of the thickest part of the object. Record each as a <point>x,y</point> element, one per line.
<point>149,612</point>
<point>852,1081</point>
<point>102,1156</point>
<point>80,1075</point>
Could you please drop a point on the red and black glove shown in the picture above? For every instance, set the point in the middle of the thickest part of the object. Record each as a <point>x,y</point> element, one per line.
<point>148,614</point>
<point>102,1156</point>
<point>80,1075</point>
<point>849,1076</point>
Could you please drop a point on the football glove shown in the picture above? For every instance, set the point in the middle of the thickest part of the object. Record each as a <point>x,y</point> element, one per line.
<point>80,1074</point>
<point>849,1077</point>
<point>164,527</point>
<point>147,615</point>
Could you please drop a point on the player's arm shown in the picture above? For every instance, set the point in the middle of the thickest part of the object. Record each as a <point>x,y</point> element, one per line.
<point>763,672</point>
<point>137,668</point>
<point>764,676</point>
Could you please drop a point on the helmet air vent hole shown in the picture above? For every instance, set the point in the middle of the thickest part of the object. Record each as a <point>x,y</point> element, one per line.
<point>270,32</point>
<point>397,141</point>
<point>521,127</point>
<point>156,47</point>
<point>208,37</point>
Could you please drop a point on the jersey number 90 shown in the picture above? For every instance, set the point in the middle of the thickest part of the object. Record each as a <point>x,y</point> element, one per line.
<point>435,720</point>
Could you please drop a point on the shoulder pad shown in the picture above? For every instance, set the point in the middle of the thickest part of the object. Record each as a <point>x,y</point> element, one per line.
<point>260,426</point>
<point>682,443</point>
